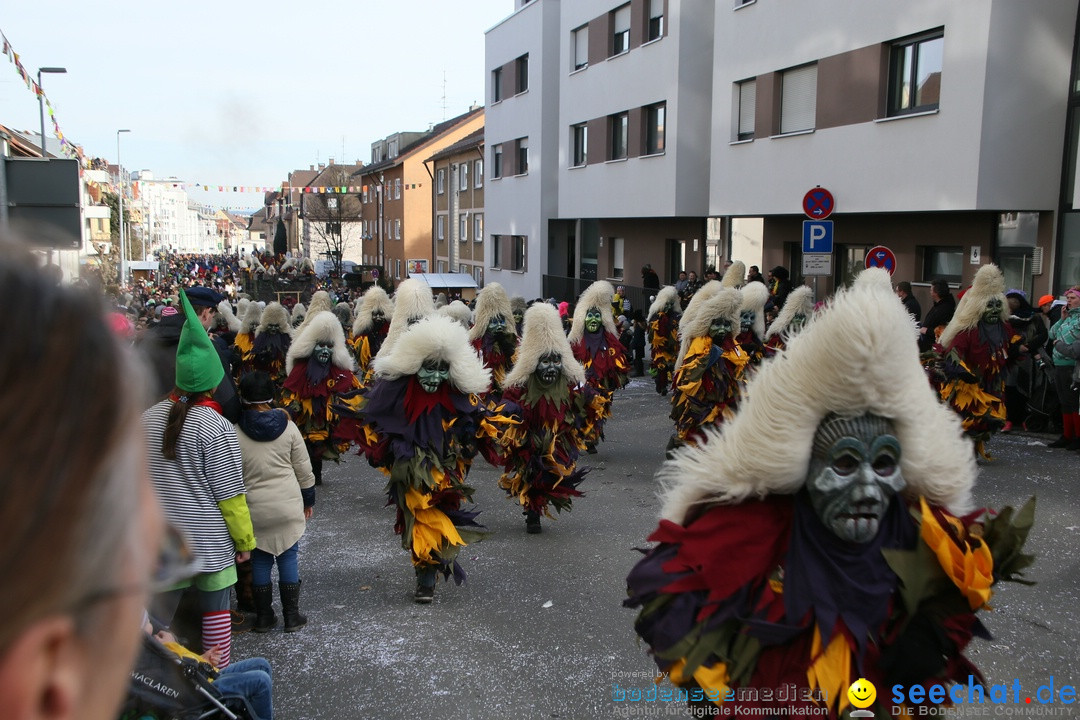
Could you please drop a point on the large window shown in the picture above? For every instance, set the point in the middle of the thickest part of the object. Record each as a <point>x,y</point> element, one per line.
<point>579,137</point>
<point>496,85</point>
<point>521,152</point>
<point>798,99</point>
<point>518,245</point>
<point>478,228</point>
<point>397,188</point>
<point>440,227</point>
<point>463,176</point>
<point>656,19</point>
<point>496,161</point>
<point>946,263</point>
<point>915,74</point>
<point>620,29</point>
<point>521,70</point>
<point>619,133</point>
<point>655,121</point>
<point>478,173</point>
<point>618,246</point>
<point>440,181</point>
<point>580,44</point>
<point>747,109</point>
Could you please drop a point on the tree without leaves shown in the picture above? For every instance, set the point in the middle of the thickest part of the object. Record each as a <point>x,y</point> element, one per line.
<point>334,218</point>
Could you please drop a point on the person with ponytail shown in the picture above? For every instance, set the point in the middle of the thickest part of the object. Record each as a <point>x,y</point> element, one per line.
<point>197,469</point>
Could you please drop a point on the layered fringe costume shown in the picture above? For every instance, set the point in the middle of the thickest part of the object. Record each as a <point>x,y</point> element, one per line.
<point>798,310</point>
<point>663,337</point>
<point>748,588</point>
<point>751,335</point>
<point>315,399</point>
<point>426,441</point>
<point>974,355</point>
<point>244,344</point>
<point>271,348</point>
<point>496,349</point>
<point>708,385</point>
<point>368,333</point>
<point>600,352</point>
<point>554,421</point>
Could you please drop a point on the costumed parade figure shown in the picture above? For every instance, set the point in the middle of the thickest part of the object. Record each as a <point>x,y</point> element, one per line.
<point>709,383</point>
<point>412,303</point>
<point>299,312</point>
<point>751,332</point>
<point>706,291</point>
<point>975,347</point>
<point>459,312</point>
<point>595,343</point>
<point>735,275</point>
<point>271,347</point>
<point>320,381</point>
<point>493,334</point>
<point>320,302</point>
<point>225,324</point>
<point>345,316</point>
<point>518,306</point>
<point>546,391</point>
<point>825,533</point>
<point>369,328</point>
<point>798,310</point>
<point>664,315</point>
<point>423,425</point>
<point>244,344</point>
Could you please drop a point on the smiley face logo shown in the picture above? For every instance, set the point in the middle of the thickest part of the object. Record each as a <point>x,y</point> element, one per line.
<point>862,693</point>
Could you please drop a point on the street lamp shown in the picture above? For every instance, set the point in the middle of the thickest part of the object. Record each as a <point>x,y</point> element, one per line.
<point>41,100</point>
<point>120,195</point>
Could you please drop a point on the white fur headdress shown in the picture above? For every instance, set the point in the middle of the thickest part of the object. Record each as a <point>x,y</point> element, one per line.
<point>491,302</point>
<point>754,297</point>
<point>436,338</point>
<point>459,312</point>
<point>989,284</point>
<point>860,355</point>
<point>226,313</point>
<point>735,275</point>
<point>800,301</point>
<point>705,292</point>
<point>320,327</point>
<point>320,302</point>
<point>241,308</point>
<point>374,298</point>
<point>343,310</point>
<point>412,301</point>
<point>543,333</point>
<point>275,313</point>
<point>667,294</point>
<point>251,318</point>
<point>725,303</point>
<point>598,295</point>
<point>518,304</point>
<point>299,312</point>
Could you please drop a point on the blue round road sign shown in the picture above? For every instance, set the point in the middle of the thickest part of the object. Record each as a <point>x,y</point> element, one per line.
<point>882,257</point>
<point>818,204</point>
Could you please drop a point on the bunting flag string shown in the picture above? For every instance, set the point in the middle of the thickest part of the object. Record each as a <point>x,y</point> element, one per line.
<point>309,189</point>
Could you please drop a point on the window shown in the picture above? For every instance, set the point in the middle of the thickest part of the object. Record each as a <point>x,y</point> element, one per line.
<point>397,188</point>
<point>478,228</point>
<point>440,266</point>
<point>478,276</point>
<point>656,19</point>
<point>915,74</point>
<point>398,274</point>
<point>618,131</point>
<point>463,268</point>
<point>463,228</point>
<point>517,249</point>
<point>521,148</point>
<point>478,173</point>
<point>521,73</point>
<point>580,140</point>
<point>496,251</point>
<point>946,263</point>
<point>496,85</point>
<point>617,246</point>
<point>391,149</point>
<point>463,176</point>
<point>364,195</point>
<point>440,181</point>
<point>747,109</point>
<point>496,161</point>
<point>440,227</point>
<point>397,229</point>
<point>620,30</point>
<point>798,99</point>
<point>580,44</point>
<point>655,116</point>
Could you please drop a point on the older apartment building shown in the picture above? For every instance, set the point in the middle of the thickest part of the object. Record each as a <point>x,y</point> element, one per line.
<point>458,204</point>
<point>620,133</point>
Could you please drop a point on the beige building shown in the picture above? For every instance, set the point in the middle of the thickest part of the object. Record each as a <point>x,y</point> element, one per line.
<point>457,200</point>
<point>397,219</point>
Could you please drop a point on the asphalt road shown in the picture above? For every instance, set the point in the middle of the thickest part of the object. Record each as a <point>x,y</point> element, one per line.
<point>538,630</point>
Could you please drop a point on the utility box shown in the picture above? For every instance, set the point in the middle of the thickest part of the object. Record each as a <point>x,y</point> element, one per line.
<point>44,201</point>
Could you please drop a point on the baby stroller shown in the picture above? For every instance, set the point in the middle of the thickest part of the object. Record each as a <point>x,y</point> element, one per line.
<point>166,687</point>
<point>1043,409</point>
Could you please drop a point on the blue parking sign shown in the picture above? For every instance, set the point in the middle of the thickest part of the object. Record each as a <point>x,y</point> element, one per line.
<point>817,236</point>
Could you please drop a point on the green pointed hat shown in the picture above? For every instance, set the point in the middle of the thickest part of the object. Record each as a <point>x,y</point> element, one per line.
<point>198,366</point>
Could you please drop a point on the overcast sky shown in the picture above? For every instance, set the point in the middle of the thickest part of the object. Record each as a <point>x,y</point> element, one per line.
<point>235,92</point>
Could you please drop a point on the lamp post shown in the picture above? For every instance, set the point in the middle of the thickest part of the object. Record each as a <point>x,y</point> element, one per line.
<point>41,100</point>
<point>120,196</point>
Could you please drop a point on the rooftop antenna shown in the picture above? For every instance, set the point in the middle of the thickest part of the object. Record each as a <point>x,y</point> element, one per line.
<point>444,95</point>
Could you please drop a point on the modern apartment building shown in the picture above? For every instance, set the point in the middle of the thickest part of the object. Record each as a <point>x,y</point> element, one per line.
<point>457,199</point>
<point>625,133</point>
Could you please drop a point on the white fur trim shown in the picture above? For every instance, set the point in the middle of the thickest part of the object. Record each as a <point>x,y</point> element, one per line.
<point>859,355</point>
<point>275,313</point>
<point>459,312</point>
<point>598,295</point>
<point>799,300</point>
<point>320,302</point>
<point>735,275</point>
<point>667,294</point>
<point>543,333</point>
<point>491,302</point>
<point>299,310</point>
<point>231,321</point>
<point>251,318</point>
<point>412,300</point>
<point>705,292</point>
<point>440,338</point>
<point>374,298</point>
<point>754,297</point>
<point>725,303</point>
<point>989,283</point>
<point>321,327</point>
